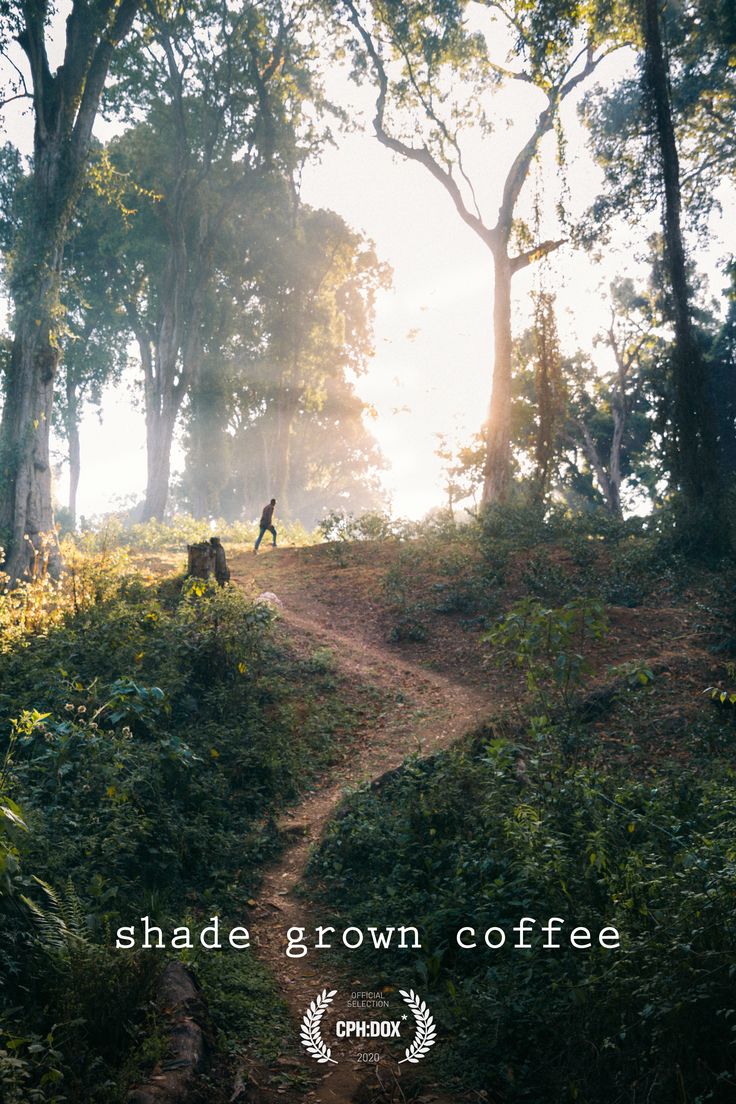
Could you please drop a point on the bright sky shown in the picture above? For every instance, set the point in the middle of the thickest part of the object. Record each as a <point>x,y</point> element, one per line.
<point>432,367</point>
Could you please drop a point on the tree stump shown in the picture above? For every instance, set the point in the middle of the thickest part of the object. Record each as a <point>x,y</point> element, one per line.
<point>208,558</point>
<point>222,572</point>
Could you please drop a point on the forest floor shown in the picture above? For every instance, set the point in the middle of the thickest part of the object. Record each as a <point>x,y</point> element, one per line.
<point>438,690</point>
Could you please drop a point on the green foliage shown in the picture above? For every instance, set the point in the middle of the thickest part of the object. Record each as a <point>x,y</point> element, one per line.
<point>550,646</point>
<point>718,694</point>
<point>456,840</point>
<point>635,674</point>
<point>523,521</point>
<point>244,1002</point>
<point>157,729</point>
<point>408,616</point>
<point>11,824</point>
<point>471,590</point>
<point>341,526</point>
<point>29,1069</point>
<point>114,531</point>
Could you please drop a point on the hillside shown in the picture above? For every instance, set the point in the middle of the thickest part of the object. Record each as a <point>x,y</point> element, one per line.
<point>359,744</point>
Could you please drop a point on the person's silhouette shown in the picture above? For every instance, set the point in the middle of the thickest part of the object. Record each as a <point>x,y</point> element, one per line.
<point>266,524</point>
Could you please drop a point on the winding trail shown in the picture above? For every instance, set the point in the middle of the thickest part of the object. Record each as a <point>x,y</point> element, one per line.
<point>432,710</point>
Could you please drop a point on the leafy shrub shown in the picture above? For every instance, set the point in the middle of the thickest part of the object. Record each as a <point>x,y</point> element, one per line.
<point>456,840</point>
<point>523,521</point>
<point>341,526</point>
<point>550,646</point>
<point>407,613</point>
<point>546,579</point>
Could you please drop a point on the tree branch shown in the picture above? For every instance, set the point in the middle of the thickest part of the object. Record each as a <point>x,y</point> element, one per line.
<point>97,75</point>
<point>32,41</point>
<point>523,260</point>
<point>18,96</point>
<point>413,153</point>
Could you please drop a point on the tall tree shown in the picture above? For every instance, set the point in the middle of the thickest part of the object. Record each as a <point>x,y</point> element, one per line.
<point>300,329</point>
<point>723,360</point>
<point>580,427</point>
<point>65,105</point>
<point>697,465</point>
<point>664,139</point>
<point>94,347</point>
<point>609,412</point>
<point>223,87</point>
<point>549,389</point>
<point>418,51</point>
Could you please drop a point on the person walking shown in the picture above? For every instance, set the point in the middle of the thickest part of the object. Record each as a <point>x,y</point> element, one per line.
<point>266,523</point>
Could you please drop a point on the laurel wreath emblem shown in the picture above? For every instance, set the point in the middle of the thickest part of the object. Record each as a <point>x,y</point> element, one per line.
<point>426,1033</point>
<point>311,1035</point>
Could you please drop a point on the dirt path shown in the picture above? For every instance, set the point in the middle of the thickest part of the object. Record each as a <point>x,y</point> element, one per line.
<point>435,712</point>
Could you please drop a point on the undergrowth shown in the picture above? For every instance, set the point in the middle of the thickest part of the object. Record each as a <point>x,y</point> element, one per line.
<point>462,839</point>
<point>151,730</point>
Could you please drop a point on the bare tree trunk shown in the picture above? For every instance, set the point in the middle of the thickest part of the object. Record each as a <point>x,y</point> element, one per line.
<point>281,462</point>
<point>26,510</point>
<point>614,464</point>
<point>497,477</point>
<point>170,368</point>
<point>75,452</point>
<point>497,237</point>
<point>159,438</point>
<point>167,370</point>
<point>697,446</point>
<point>610,492</point>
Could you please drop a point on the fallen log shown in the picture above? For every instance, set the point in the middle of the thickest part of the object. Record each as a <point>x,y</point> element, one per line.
<point>183,1008</point>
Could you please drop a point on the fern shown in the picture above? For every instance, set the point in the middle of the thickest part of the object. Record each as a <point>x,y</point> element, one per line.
<point>62,924</point>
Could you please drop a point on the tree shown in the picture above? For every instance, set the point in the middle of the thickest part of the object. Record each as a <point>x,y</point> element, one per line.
<point>579,427</point>
<point>94,345</point>
<point>295,327</point>
<point>603,405</point>
<point>723,367</point>
<point>223,89</point>
<point>462,468</point>
<point>664,140</point>
<point>556,47</point>
<point>550,392</point>
<point>65,104</point>
<point>697,468</point>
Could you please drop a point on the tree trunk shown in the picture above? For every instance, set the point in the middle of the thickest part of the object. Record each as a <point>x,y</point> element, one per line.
<point>26,513</point>
<point>697,446</point>
<point>208,558</point>
<point>159,438</point>
<point>75,452</point>
<point>170,368</point>
<point>498,441</point>
<point>164,394</point>
<point>65,106</point>
<point>26,510</point>
<point>281,463</point>
<point>607,487</point>
<point>614,464</point>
